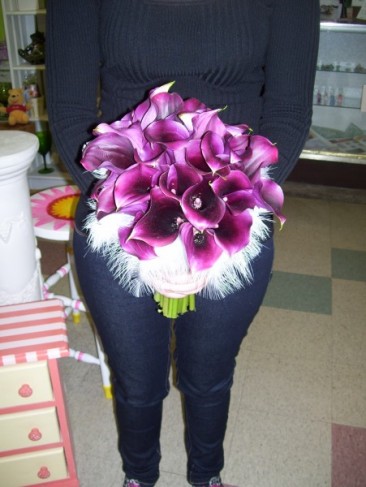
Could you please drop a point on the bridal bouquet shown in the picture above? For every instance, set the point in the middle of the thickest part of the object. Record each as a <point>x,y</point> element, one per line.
<point>180,192</point>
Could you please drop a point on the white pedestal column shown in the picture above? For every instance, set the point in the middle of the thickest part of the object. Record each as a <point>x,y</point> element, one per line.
<point>19,273</point>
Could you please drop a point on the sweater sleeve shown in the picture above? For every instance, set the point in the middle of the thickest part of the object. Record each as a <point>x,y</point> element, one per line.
<point>72,75</point>
<point>289,74</point>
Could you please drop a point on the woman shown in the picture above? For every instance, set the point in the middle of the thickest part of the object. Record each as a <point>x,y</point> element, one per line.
<point>258,59</point>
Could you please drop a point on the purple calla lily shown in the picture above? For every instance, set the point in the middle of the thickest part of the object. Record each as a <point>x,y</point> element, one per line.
<point>177,179</point>
<point>104,193</point>
<point>138,248</point>
<point>259,154</point>
<point>236,190</point>
<point>193,105</point>
<point>272,197</point>
<point>202,207</point>
<point>160,225</point>
<point>202,250</point>
<point>108,147</point>
<point>166,132</point>
<point>233,233</point>
<point>208,121</point>
<point>194,157</point>
<point>134,185</point>
<point>212,146</point>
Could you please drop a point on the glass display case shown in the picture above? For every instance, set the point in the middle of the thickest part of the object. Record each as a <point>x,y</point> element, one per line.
<point>338,131</point>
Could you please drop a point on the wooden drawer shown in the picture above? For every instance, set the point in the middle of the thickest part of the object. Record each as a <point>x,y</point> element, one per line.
<point>33,468</point>
<point>25,384</point>
<point>27,429</point>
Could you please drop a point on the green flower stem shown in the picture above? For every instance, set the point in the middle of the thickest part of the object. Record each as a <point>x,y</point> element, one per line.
<point>173,307</point>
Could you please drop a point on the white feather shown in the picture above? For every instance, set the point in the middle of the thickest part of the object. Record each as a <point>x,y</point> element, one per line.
<point>228,274</point>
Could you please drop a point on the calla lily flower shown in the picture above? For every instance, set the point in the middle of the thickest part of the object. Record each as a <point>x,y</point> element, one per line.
<point>167,132</point>
<point>177,179</point>
<point>134,185</point>
<point>233,233</point>
<point>136,209</point>
<point>212,145</point>
<point>104,193</point>
<point>260,153</point>
<point>237,130</point>
<point>208,121</point>
<point>202,250</point>
<point>202,207</point>
<point>138,248</point>
<point>160,225</point>
<point>108,147</point>
<point>236,190</point>
<point>194,157</point>
<point>238,147</point>
<point>166,104</point>
<point>193,105</point>
<point>272,197</point>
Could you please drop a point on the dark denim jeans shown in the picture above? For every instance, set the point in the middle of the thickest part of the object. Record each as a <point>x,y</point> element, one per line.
<point>137,342</point>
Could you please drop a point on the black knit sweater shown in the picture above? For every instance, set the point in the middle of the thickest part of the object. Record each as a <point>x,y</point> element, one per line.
<point>257,57</point>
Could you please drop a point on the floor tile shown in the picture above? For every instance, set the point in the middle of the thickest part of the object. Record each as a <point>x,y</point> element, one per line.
<point>307,211</point>
<point>349,322</point>
<point>53,255</point>
<point>348,226</point>
<point>349,264</point>
<point>299,292</point>
<point>348,456</point>
<point>349,394</point>
<point>92,417</point>
<point>168,479</point>
<point>277,451</point>
<point>172,435</point>
<point>306,233</point>
<point>281,385</point>
<point>96,472</point>
<point>293,334</point>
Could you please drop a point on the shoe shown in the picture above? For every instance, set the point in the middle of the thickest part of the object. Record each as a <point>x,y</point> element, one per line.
<point>131,483</point>
<point>134,483</point>
<point>216,482</point>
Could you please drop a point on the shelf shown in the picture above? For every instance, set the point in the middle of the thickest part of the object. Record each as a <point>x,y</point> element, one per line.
<point>28,67</point>
<point>41,11</point>
<point>343,27</point>
<point>341,71</point>
<point>330,156</point>
<point>38,182</point>
<point>41,118</point>
<point>348,104</point>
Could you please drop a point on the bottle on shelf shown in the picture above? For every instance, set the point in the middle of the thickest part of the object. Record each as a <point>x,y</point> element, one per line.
<point>331,96</point>
<point>339,97</point>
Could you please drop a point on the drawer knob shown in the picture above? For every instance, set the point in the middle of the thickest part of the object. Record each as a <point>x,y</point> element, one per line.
<point>44,473</point>
<point>35,435</point>
<point>25,390</point>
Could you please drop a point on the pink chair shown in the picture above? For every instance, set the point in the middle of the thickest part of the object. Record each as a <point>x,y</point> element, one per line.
<point>53,213</point>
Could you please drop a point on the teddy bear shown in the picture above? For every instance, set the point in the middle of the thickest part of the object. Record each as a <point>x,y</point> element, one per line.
<point>17,108</point>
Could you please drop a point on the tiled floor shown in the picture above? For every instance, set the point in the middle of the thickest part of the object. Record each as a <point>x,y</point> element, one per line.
<point>298,410</point>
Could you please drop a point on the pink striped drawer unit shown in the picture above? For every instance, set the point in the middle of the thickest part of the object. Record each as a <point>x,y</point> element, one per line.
<point>35,442</point>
